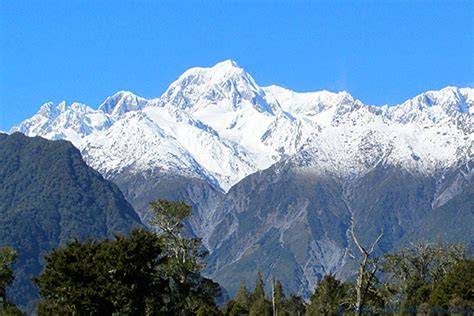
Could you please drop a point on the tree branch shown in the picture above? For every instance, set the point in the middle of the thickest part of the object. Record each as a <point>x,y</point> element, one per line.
<point>375,242</point>
<point>356,241</point>
<point>350,254</point>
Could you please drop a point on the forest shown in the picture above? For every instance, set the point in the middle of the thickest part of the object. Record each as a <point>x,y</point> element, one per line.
<point>158,272</point>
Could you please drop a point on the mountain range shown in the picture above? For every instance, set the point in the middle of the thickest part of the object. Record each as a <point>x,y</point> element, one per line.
<point>276,177</point>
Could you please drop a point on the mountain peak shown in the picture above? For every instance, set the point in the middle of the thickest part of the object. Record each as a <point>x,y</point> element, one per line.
<point>62,106</point>
<point>309,102</point>
<point>223,69</point>
<point>122,102</point>
<point>224,83</point>
<point>449,100</point>
<point>227,64</point>
<point>48,110</point>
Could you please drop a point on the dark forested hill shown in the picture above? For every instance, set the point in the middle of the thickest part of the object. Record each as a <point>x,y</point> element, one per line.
<point>48,195</point>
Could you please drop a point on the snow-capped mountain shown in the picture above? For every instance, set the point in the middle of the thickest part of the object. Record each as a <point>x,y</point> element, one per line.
<point>272,173</point>
<point>72,122</point>
<point>217,124</point>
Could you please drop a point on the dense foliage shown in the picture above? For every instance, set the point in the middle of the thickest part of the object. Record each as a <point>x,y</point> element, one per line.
<point>329,297</point>
<point>143,274</point>
<point>7,259</point>
<point>418,272</point>
<point>103,277</point>
<point>456,289</point>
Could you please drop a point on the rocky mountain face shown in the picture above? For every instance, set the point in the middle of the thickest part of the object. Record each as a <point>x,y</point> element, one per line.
<point>49,196</point>
<point>276,176</point>
<point>292,221</point>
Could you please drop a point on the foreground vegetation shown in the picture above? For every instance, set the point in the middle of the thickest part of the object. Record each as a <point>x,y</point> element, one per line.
<point>159,273</point>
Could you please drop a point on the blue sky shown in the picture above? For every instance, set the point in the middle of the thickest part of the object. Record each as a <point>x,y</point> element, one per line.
<point>379,51</point>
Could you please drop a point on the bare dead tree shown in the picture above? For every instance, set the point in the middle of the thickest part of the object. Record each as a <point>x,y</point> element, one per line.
<point>273,298</point>
<point>368,267</point>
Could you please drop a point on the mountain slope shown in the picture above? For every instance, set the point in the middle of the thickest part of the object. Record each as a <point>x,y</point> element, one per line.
<point>48,195</point>
<point>286,224</point>
<point>291,221</point>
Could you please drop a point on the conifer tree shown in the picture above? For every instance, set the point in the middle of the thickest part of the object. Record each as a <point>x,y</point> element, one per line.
<point>295,305</point>
<point>329,297</point>
<point>240,305</point>
<point>243,295</point>
<point>278,299</point>
<point>259,290</point>
<point>260,305</point>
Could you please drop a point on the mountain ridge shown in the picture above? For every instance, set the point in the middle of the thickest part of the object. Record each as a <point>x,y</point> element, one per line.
<point>252,126</point>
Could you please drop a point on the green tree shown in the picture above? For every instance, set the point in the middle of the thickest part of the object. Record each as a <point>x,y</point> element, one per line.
<point>415,271</point>
<point>295,305</point>
<point>261,307</point>
<point>243,295</point>
<point>259,304</point>
<point>259,290</point>
<point>11,310</point>
<point>329,298</point>
<point>205,310</point>
<point>240,305</point>
<point>104,277</point>
<point>7,258</point>
<point>186,254</point>
<point>189,291</point>
<point>456,289</point>
<point>234,309</point>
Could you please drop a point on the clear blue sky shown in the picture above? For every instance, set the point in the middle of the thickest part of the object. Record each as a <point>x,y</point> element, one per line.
<point>379,51</point>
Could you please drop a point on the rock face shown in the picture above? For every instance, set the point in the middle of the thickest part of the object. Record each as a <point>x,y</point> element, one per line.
<point>276,176</point>
<point>48,196</point>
